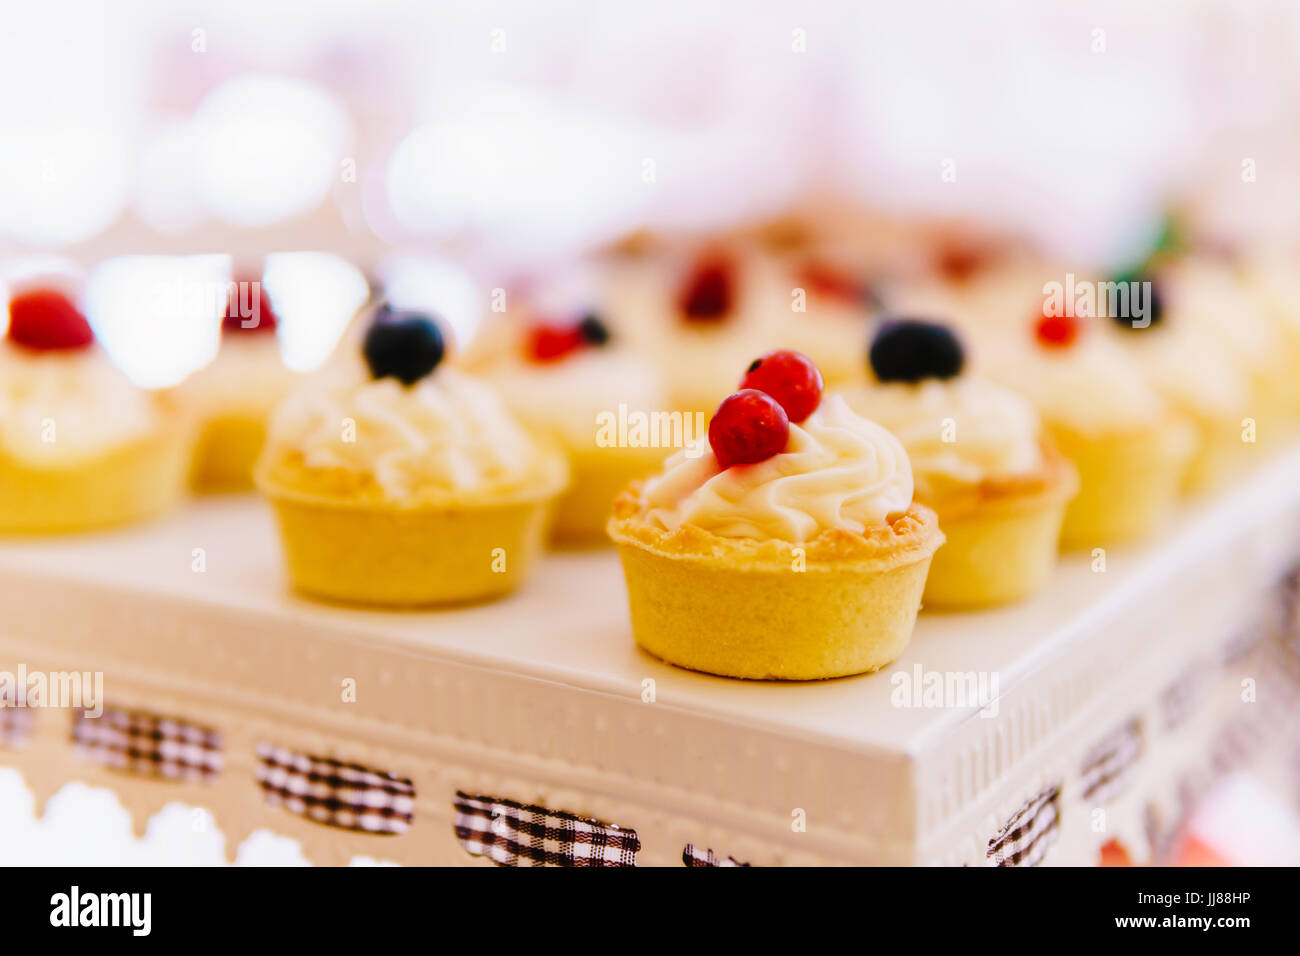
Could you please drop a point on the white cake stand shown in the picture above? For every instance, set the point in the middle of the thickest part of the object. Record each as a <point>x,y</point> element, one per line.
<point>1118,698</point>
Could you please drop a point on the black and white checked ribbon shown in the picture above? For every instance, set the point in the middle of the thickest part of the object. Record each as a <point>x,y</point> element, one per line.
<point>1108,767</point>
<point>1024,839</point>
<point>519,834</point>
<point>149,744</point>
<point>1180,700</point>
<point>335,793</point>
<point>693,856</point>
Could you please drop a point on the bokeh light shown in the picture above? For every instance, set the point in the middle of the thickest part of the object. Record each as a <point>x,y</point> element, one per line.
<point>269,147</point>
<point>314,294</point>
<point>157,315</point>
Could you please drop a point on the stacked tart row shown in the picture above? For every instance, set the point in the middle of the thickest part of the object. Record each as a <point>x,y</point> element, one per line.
<point>802,512</point>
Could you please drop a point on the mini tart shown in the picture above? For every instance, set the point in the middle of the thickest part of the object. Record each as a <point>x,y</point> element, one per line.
<point>1002,535</point>
<point>1131,449</point>
<point>1218,300</point>
<point>350,535</point>
<point>835,323</point>
<point>82,447</point>
<point>1269,278</point>
<point>232,398</point>
<point>979,458</point>
<point>117,485</point>
<point>563,401</point>
<point>1212,395</point>
<point>597,476</point>
<point>226,451</point>
<point>1129,480</point>
<point>355,549</point>
<point>700,361</point>
<point>741,607</point>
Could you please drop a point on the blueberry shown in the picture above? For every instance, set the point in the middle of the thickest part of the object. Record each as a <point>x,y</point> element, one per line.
<point>403,345</point>
<point>1148,289</point>
<point>592,330</point>
<point>908,350</point>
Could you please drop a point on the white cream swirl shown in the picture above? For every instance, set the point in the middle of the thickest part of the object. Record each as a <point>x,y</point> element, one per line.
<point>1092,386</point>
<point>1213,298</point>
<point>62,408</point>
<point>966,430</point>
<point>448,434</point>
<point>838,470</point>
<point>1186,366</point>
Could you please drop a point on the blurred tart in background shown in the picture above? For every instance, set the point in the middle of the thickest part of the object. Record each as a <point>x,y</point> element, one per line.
<point>571,381</point>
<point>1212,295</point>
<point>1186,365</point>
<point>233,395</point>
<point>697,320</point>
<point>980,458</point>
<point>1131,449</point>
<point>1269,276</point>
<point>81,446</point>
<point>823,306</point>
<point>787,546</point>
<point>399,481</point>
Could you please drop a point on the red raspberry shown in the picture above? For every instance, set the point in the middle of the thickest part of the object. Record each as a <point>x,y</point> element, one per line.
<point>749,426</point>
<point>959,260</point>
<point>46,320</point>
<point>241,303</point>
<point>1057,331</point>
<point>789,377</point>
<point>708,294</point>
<point>832,283</point>
<point>546,343</point>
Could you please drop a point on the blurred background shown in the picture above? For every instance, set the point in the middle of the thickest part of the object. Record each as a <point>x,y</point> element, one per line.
<point>509,136</point>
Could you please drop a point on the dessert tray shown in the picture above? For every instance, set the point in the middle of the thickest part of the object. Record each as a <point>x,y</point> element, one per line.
<point>532,730</point>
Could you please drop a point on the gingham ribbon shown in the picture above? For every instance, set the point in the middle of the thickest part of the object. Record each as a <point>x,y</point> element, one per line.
<point>519,834</point>
<point>1108,767</point>
<point>1024,839</point>
<point>1179,700</point>
<point>693,856</point>
<point>335,793</point>
<point>149,744</point>
<point>1236,742</point>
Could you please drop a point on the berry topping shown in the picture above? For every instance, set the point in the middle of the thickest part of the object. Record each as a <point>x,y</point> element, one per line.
<point>832,283</point>
<point>406,346</point>
<point>248,308</point>
<point>959,260</point>
<point>1056,331</point>
<point>593,330</point>
<point>46,320</point>
<point>709,291</point>
<point>789,377</point>
<point>550,341</point>
<point>748,426</point>
<point>909,350</point>
<point>1139,303</point>
<point>546,343</point>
